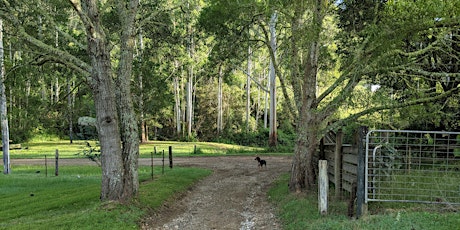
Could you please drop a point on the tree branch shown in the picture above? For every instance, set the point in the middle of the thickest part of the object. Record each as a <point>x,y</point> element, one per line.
<point>54,54</point>
<point>354,117</point>
<point>333,106</point>
<point>277,72</point>
<point>254,80</point>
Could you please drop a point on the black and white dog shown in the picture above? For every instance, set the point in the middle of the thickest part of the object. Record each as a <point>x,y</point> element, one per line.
<point>261,162</point>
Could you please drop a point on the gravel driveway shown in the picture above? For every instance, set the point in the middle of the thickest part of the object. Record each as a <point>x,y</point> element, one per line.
<point>234,196</point>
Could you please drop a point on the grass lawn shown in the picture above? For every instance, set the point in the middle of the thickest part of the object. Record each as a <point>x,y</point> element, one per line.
<point>29,200</point>
<point>301,212</point>
<point>66,150</point>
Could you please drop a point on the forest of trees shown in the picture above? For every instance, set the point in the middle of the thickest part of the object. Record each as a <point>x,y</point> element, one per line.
<point>276,73</point>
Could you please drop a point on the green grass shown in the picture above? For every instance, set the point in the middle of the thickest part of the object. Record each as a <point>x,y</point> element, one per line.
<point>195,148</point>
<point>429,186</point>
<point>301,212</point>
<point>30,200</point>
<point>38,149</point>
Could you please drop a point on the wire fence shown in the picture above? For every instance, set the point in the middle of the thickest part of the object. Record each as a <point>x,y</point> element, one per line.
<point>413,166</point>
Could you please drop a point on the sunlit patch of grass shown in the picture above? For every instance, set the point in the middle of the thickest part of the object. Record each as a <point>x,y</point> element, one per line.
<point>195,148</point>
<point>48,148</point>
<point>75,150</point>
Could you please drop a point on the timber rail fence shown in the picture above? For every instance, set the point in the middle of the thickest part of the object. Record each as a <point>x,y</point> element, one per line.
<point>342,161</point>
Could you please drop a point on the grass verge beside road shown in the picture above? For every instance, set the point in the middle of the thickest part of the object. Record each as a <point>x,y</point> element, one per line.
<point>29,200</point>
<point>300,211</point>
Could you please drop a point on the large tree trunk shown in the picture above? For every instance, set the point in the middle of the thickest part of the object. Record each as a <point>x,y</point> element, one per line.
<point>308,123</point>
<point>302,169</point>
<point>107,122</point>
<point>119,152</point>
<point>103,88</point>
<point>128,125</point>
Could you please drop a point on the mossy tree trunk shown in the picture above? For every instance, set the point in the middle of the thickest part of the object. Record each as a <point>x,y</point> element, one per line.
<point>128,125</point>
<point>116,120</point>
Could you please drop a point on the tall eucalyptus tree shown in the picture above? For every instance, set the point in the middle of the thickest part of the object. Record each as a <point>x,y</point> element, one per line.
<point>233,25</point>
<point>3,109</point>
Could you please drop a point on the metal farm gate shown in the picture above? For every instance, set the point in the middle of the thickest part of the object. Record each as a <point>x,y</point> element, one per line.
<point>412,166</point>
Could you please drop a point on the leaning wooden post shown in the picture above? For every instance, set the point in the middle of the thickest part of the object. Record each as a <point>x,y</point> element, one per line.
<point>338,164</point>
<point>361,207</point>
<point>323,187</point>
<point>56,171</point>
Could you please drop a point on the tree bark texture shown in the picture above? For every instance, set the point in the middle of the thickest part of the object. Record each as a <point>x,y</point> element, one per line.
<point>3,109</point>
<point>302,169</point>
<point>128,122</point>
<point>103,88</point>
<point>305,68</point>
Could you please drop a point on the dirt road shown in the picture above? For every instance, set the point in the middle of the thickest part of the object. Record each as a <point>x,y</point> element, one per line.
<point>232,197</point>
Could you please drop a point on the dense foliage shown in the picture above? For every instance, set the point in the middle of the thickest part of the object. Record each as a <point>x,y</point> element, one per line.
<point>180,39</point>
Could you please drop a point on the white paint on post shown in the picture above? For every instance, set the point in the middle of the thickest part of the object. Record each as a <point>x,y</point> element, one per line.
<point>323,187</point>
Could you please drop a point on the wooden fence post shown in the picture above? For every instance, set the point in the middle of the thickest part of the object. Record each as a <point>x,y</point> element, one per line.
<point>163,167</point>
<point>46,166</point>
<point>322,154</point>
<point>170,157</point>
<point>338,164</point>
<point>361,171</point>
<point>323,187</point>
<point>56,171</point>
<point>151,161</point>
